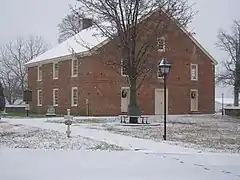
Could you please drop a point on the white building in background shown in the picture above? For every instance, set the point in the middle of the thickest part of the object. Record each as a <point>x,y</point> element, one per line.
<point>227,102</point>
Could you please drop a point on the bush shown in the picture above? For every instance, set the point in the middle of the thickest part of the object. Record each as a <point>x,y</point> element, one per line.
<point>2,98</point>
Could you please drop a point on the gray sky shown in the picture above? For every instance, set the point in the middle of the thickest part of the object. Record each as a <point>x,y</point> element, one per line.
<point>40,17</point>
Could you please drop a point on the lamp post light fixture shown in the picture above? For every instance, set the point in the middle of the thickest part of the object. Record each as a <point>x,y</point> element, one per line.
<point>164,68</point>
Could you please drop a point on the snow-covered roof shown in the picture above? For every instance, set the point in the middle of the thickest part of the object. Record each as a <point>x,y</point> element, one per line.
<point>80,43</point>
<point>85,40</point>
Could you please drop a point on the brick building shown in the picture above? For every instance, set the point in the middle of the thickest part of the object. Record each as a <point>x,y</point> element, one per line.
<point>81,79</point>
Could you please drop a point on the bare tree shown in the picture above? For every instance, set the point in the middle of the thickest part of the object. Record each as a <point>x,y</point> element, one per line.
<point>126,23</point>
<point>230,43</point>
<point>11,84</point>
<point>13,56</point>
<point>69,26</point>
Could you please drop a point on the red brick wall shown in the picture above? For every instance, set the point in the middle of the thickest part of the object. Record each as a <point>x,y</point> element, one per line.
<point>101,83</point>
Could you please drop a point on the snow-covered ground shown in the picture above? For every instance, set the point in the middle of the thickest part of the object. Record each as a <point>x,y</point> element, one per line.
<point>27,164</point>
<point>206,132</point>
<point>20,136</point>
<point>141,159</point>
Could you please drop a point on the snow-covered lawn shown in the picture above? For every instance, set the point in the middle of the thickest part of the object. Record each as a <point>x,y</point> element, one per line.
<point>29,164</point>
<point>20,136</point>
<point>205,132</point>
<point>144,159</point>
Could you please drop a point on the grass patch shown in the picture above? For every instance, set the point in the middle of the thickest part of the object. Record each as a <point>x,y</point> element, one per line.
<point>79,121</point>
<point>20,114</point>
<point>89,121</point>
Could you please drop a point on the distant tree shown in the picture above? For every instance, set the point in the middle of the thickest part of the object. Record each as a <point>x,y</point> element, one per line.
<point>230,74</point>
<point>69,26</point>
<point>13,56</point>
<point>11,84</point>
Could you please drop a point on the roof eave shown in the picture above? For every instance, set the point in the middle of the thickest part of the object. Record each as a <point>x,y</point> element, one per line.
<point>69,56</point>
<point>62,58</point>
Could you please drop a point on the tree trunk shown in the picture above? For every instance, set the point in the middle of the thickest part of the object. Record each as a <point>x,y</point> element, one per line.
<point>236,96</point>
<point>133,109</point>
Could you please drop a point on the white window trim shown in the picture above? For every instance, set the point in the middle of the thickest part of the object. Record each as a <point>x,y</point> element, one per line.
<point>164,44</point>
<point>74,88</point>
<point>124,75</point>
<point>54,72</point>
<point>38,97</point>
<point>38,73</point>
<point>196,65</point>
<point>72,68</point>
<point>54,96</point>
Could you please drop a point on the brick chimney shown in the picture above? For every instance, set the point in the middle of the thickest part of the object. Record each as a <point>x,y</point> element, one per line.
<point>86,23</point>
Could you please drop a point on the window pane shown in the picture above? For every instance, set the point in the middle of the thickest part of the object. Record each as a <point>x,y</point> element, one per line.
<point>55,96</point>
<point>74,96</point>
<point>194,72</point>
<point>74,67</point>
<point>55,70</point>
<point>40,97</point>
<point>123,67</point>
<point>39,72</point>
<point>161,44</point>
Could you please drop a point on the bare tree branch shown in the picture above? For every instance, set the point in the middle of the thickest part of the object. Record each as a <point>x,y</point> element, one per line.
<point>70,25</point>
<point>125,22</point>
<point>13,57</point>
<point>230,43</point>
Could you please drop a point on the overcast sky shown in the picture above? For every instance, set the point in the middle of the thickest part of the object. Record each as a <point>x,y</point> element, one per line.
<point>40,17</point>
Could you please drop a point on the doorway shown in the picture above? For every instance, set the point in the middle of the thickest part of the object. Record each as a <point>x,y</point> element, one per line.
<point>125,99</point>
<point>159,101</point>
<point>194,100</point>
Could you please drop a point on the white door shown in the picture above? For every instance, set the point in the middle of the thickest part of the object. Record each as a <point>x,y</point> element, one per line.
<point>125,98</point>
<point>159,101</point>
<point>194,100</point>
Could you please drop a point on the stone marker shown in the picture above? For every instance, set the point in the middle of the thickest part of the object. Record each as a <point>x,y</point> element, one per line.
<point>68,121</point>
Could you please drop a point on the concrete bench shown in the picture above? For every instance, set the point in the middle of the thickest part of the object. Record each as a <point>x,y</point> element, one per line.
<point>123,118</point>
<point>144,119</point>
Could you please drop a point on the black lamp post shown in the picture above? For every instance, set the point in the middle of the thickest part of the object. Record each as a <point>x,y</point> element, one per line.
<point>164,68</point>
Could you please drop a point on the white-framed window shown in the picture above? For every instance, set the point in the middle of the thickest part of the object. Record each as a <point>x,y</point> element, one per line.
<point>161,44</point>
<point>194,72</point>
<point>74,67</point>
<point>55,70</point>
<point>39,97</point>
<point>74,96</point>
<point>55,97</point>
<point>39,73</point>
<point>123,68</point>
